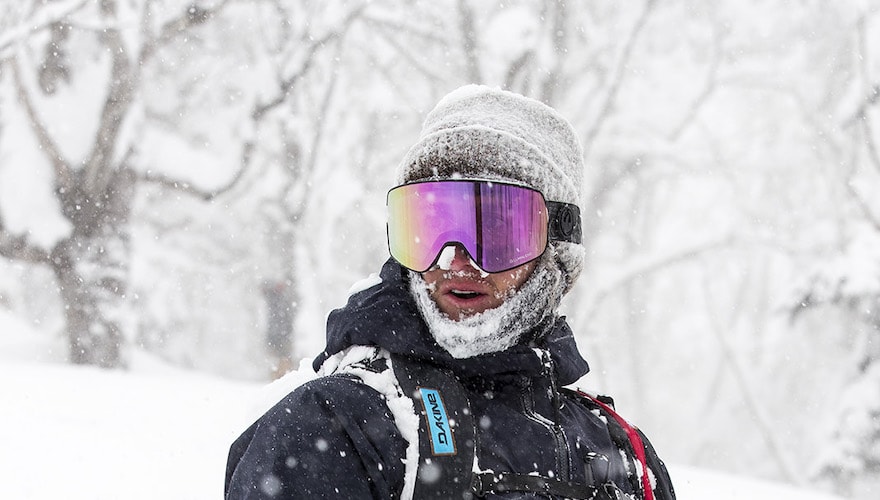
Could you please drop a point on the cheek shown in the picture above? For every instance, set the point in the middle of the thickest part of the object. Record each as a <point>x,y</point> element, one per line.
<point>509,284</point>
<point>431,278</point>
<point>512,281</point>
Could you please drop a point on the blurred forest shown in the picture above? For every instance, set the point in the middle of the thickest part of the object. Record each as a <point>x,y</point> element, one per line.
<point>171,171</point>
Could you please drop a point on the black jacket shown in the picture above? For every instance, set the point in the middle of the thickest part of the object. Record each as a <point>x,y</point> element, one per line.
<point>336,437</point>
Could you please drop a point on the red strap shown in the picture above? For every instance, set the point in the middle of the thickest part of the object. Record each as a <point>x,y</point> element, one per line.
<point>634,439</point>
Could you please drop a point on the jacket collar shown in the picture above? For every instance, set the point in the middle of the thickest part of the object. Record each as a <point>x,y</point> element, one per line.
<point>386,316</point>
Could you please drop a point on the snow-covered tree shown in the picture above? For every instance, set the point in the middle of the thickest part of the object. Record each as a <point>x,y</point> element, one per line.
<point>74,78</point>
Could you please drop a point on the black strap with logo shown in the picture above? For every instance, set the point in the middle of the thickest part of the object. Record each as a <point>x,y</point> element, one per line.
<point>447,436</point>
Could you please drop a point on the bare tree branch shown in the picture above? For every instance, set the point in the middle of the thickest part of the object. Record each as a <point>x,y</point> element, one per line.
<point>608,179</point>
<point>51,13</point>
<point>518,67</point>
<point>406,53</point>
<point>319,133</point>
<point>388,29</point>
<point>405,28</point>
<point>640,270</point>
<point>122,92</point>
<point>192,15</point>
<point>63,173</point>
<point>870,142</point>
<point>257,115</point>
<point>751,401</point>
<point>867,129</point>
<point>617,77</point>
<point>99,165</point>
<point>286,86</point>
<point>19,248</point>
<point>861,113</point>
<point>559,35</point>
<point>709,87</point>
<point>866,210</point>
<point>469,41</point>
<point>187,188</point>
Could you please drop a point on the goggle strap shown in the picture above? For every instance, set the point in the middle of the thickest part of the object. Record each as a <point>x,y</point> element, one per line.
<point>565,222</point>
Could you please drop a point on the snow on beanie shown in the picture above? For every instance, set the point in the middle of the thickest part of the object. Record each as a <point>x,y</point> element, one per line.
<point>479,132</point>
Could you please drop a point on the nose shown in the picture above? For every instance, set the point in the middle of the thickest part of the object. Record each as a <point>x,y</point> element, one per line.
<point>459,260</point>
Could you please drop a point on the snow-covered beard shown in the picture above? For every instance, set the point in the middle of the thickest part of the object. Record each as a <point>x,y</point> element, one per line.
<point>498,329</point>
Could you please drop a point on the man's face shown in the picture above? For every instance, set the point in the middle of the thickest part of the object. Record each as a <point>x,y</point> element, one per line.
<point>462,290</point>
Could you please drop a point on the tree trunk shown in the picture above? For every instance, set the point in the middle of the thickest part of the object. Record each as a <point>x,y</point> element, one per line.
<point>91,267</point>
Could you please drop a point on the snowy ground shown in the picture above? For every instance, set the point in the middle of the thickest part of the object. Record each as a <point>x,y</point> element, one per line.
<point>159,432</point>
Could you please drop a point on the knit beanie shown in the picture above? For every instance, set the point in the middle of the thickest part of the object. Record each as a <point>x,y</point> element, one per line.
<point>478,132</point>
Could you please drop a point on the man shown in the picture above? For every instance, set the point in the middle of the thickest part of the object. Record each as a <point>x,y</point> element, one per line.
<point>444,378</point>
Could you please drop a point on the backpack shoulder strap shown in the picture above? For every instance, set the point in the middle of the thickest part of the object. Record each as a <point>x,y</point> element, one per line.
<point>447,436</point>
<point>634,437</point>
<point>634,441</point>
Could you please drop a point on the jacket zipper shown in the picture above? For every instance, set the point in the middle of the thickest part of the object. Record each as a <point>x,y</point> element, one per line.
<point>563,456</point>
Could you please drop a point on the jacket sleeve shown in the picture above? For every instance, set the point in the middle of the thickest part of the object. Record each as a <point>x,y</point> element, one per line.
<point>662,483</point>
<point>333,437</point>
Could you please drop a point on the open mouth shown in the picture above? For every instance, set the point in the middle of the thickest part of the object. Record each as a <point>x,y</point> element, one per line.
<point>464,294</point>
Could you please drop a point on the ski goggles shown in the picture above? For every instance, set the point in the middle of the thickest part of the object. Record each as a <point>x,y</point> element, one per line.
<point>500,225</point>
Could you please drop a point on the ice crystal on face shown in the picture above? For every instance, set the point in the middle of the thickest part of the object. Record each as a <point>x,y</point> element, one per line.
<point>444,261</point>
<point>446,256</point>
<point>497,329</point>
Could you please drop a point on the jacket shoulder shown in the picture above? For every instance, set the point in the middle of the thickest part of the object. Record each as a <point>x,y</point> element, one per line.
<point>327,399</point>
<point>334,426</point>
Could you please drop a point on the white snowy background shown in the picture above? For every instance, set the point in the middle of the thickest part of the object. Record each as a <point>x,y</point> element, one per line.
<point>162,160</point>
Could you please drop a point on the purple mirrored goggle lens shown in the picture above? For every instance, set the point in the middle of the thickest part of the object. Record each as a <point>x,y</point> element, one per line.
<point>501,226</point>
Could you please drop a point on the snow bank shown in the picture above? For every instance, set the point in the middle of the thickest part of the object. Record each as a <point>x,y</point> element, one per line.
<point>73,432</point>
<point>700,484</point>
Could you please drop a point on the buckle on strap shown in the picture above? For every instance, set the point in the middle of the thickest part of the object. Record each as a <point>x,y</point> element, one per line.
<point>483,483</point>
